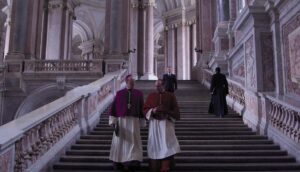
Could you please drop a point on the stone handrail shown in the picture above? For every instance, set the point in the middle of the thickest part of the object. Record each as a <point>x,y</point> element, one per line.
<point>236,91</point>
<point>29,142</point>
<point>285,117</point>
<point>63,65</point>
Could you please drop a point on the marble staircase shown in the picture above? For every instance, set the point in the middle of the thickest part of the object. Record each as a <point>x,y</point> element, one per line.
<point>208,143</point>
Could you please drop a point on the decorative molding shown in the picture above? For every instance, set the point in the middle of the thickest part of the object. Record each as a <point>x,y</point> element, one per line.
<point>250,61</point>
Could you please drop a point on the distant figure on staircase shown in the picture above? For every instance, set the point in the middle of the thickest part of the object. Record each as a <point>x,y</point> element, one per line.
<point>126,116</point>
<point>219,90</point>
<point>161,110</point>
<point>170,81</point>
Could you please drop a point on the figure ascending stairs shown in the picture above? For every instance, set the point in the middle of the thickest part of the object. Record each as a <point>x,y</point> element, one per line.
<point>208,143</point>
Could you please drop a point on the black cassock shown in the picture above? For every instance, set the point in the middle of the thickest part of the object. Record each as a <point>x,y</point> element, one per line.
<point>170,82</point>
<point>219,88</point>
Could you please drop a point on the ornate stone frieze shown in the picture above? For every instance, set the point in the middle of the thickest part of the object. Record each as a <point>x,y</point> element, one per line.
<point>239,70</point>
<point>251,77</point>
<point>236,92</point>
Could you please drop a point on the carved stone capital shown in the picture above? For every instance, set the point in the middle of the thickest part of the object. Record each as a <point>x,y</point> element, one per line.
<point>148,3</point>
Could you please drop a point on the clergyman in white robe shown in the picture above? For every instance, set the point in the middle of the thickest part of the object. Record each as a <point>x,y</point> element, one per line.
<point>162,111</point>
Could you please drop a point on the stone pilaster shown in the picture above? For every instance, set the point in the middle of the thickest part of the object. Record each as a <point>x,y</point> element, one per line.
<point>220,39</point>
<point>149,42</point>
<point>117,25</point>
<point>134,38</point>
<point>205,24</point>
<point>141,41</point>
<point>59,31</point>
<point>17,30</point>
<point>232,15</point>
<point>275,27</point>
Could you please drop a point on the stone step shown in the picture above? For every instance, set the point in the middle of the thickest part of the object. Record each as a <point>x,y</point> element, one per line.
<point>188,159</point>
<point>190,142</point>
<point>215,137</point>
<point>188,166</point>
<point>215,153</point>
<point>103,128</point>
<point>71,170</point>
<point>208,143</point>
<point>187,133</point>
<point>203,125</point>
<point>194,120</point>
<point>187,147</point>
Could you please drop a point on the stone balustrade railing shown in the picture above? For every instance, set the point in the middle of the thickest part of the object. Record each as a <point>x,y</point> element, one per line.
<point>236,91</point>
<point>207,75</point>
<point>284,117</point>
<point>63,65</point>
<point>30,142</point>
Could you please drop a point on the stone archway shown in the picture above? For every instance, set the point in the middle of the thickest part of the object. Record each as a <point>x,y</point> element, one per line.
<point>42,96</point>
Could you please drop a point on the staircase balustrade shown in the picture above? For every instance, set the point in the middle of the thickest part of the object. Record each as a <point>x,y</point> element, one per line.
<point>63,65</point>
<point>236,92</point>
<point>30,142</point>
<point>207,75</point>
<point>285,118</point>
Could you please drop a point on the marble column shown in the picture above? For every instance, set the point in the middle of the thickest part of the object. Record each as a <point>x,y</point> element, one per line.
<point>117,34</point>
<point>194,44</point>
<point>134,20</point>
<point>205,24</point>
<point>188,52</point>
<point>141,41</point>
<point>171,48</point>
<point>42,22</point>
<point>181,52</point>
<point>33,33</point>
<point>149,42</point>
<point>17,30</point>
<point>223,10</point>
<point>59,31</point>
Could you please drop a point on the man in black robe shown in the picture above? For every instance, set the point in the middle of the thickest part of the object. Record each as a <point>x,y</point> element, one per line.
<point>219,90</point>
<point>170,81</point>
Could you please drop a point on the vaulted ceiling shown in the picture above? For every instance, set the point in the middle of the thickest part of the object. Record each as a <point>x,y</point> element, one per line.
<point>90,14</point>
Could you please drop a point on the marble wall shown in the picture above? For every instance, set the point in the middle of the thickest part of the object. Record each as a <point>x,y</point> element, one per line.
<point>291,54</point>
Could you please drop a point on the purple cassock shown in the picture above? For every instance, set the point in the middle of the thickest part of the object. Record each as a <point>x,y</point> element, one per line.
<point>128,102</point>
